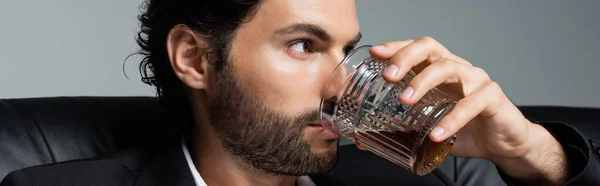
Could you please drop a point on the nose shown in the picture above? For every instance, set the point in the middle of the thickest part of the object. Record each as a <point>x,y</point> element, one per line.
<point>335,87</point>
<point>336,83</point>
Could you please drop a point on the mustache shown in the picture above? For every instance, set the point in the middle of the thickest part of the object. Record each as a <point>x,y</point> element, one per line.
<point>308,116</point>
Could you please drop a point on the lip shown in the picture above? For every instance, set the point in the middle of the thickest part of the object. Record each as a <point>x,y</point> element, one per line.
<point>326,132</point>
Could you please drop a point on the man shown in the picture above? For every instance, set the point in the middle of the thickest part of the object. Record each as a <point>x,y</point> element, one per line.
<point>246,77</point>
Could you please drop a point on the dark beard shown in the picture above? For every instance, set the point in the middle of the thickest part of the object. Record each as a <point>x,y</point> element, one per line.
<point>260,137</point>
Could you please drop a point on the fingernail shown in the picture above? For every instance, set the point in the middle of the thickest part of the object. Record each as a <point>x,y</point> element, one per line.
<point>437,132</point>
<point>407,93</point>
<point>379,47</point>
<point>391,71</point>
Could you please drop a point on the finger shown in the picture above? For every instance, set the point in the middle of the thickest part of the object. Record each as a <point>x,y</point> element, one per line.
<point>443,71</point>
<point>465,110</point>
<point>388,49</point>
<point>424,49</point>
<point>459,59</point>
<point>465,79</point>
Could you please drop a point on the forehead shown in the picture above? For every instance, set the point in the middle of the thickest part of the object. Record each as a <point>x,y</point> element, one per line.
<point>337,17</point>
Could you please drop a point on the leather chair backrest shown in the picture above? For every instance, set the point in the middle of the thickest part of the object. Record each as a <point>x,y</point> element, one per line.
<point>36,131</point>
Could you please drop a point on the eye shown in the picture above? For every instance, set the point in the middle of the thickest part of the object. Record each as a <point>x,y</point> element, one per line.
<point>302,46</point>
<point>348,49</point>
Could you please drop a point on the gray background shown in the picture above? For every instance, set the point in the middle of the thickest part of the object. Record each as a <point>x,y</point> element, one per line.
<point>542,52</point>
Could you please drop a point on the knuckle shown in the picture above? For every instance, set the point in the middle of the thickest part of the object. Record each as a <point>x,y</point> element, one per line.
<point>452,119</point>
<point>495,94</point>
<point>447,62</point>
<point>479,70</point>
<point>427,39</point>
<point>460,60</point>
<point>479,74</point>
<point>494,91</point>
<point>408,41</point>
<point>470,103</point>
<point>494,86</point>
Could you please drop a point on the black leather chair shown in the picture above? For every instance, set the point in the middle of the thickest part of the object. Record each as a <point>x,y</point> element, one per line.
<point>36,131</point>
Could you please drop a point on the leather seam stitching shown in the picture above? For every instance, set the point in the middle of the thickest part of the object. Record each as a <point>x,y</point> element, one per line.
<point>37,126</point>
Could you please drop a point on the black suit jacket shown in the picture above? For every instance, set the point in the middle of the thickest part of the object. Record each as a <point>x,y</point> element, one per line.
<point>167,166</point>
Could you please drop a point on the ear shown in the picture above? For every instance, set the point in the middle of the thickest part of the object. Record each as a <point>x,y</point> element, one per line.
<point>187,55</point>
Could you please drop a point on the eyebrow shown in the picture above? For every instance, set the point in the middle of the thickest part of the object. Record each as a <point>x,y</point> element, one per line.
<point>306,28</point>
<point>315,30</point>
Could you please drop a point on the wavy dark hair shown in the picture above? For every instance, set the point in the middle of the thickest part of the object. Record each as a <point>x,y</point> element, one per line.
<point>214,20</point>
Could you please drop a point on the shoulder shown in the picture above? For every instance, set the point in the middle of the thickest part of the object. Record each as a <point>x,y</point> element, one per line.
<point>118,169</point>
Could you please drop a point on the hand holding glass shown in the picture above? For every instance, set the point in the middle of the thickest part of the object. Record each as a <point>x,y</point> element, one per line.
<point>367,111</point>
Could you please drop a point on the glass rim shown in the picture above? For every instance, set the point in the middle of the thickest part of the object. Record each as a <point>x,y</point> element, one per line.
<point>344,61</point>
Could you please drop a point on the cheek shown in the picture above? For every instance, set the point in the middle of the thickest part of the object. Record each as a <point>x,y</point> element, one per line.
<point>299,87</point>
<point>285,83</point>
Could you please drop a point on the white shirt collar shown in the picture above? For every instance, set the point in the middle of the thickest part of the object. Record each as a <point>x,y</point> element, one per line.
<point>302,180</point>
<point>197,178</point>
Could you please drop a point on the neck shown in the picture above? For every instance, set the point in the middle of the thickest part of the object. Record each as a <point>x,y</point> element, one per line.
<point>218,167</point>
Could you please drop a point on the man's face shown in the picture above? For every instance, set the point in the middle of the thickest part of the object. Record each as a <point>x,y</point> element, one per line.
<point>266,102</point>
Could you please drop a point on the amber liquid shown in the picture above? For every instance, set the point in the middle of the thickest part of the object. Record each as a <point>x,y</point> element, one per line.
<point>403,148</point>
<point>396,132</point>
<point>370,114</point>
